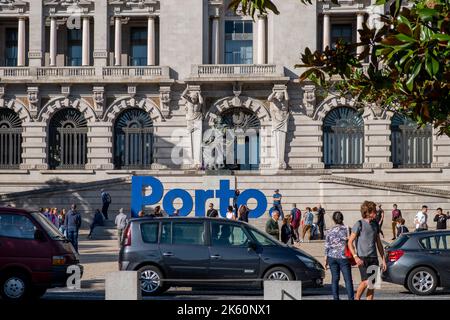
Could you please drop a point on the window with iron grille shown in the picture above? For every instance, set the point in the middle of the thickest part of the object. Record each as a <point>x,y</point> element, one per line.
<point>10,139</point>
<point>133,140</point>
<point>67,148</point>
<point>411,147</point>
<point>343,138</point>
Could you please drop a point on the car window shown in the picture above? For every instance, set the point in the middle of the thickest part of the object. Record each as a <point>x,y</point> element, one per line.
<point>166,233</point>
<point>188,233</point>
<point>49,227</point>
<point>16,226</point>
<point>438,242</point>
<point>263,240</point>
<point>228,235</point>
<point>149,232</point>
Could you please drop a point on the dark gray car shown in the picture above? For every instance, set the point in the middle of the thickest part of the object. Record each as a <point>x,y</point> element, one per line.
<point>419,261</point>
<point>210,251</point>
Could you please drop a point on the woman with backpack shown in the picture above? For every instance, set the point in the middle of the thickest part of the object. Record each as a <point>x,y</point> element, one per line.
<point>335,247</point>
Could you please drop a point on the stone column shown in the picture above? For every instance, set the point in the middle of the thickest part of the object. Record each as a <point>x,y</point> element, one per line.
<point>215,47</point>
<point>377,143</point>
<point>21,45</point>
<point>100,146</point>
<point>261,58</point>
<point>53,41</point>
<point>36,34</point>
<point>101,34</point>
<point>359,26</point>
<point>326,31</point>
<point>85,43</point>
<point>440,150</point>
<point>118,42</point>
<point>34,146</point>
<point>151,45</point>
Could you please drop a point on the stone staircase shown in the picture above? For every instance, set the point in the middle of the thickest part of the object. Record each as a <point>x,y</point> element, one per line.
<point>106,232</point>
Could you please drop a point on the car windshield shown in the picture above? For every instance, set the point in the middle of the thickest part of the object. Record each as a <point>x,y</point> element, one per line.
<point>262,239</point>
<point>51,230</point>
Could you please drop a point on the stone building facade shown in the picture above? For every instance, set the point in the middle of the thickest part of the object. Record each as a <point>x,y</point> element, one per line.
<point>95,91</point>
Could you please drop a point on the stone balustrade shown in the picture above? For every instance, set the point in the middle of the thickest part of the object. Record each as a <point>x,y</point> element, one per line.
<point>52,74</point>
<point>14,72</point>
<point>239,70</point>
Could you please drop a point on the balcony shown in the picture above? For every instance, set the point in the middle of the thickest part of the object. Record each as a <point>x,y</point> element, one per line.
<point>237,72</point>
<point>84,74</point>
<point>14,72</point>
<point>65,72</point>
<point>133,72</point>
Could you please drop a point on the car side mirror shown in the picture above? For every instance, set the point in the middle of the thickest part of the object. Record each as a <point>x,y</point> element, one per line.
<point>39,235</point>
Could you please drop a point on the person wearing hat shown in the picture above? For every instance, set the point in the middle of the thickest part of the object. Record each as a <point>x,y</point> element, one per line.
<point>277,202</point>
<point>121,223</point>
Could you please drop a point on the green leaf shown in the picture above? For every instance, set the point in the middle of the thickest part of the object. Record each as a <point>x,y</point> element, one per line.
<point>404,38</point>
<point>410,82</point>
<point>427,14</point>
<point>404,20</point>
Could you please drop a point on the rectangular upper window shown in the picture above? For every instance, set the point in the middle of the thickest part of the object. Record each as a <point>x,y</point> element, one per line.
<point>138,50</point>
<point>341,31</point>
<point>238,42</point>
<point>74,46</point>
<point>11,49</point>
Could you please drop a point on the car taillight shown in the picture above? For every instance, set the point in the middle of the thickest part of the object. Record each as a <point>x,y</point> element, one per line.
<point>58,260</point>
<point>127,238</point>
<point>395,255</point>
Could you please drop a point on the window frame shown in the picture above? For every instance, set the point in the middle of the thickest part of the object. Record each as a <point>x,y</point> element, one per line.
<point>232,225</point>
<point>157,231</point>
<point>21,216</point>
<point>206,237</point>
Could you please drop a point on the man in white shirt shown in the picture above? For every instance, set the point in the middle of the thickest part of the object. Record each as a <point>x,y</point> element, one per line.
<point>421,219</point>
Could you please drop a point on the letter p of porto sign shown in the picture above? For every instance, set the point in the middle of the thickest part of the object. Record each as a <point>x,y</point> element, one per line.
<point>224,194</point>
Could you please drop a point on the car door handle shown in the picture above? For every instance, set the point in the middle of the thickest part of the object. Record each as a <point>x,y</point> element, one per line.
<point>435,252</point>
<point>168,254</point>
<point>216,256</point>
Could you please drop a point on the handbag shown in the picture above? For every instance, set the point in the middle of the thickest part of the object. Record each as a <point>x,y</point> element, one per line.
<point>348,254</point>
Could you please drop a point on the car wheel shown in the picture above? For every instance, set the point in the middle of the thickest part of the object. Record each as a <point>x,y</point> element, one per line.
<point>14,286</point>
<point>150,281</point>
<point>278,273</point>
<point>422,281</point>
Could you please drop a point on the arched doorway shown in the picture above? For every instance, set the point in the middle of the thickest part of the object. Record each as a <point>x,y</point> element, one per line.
<point>239,129</point>
<point>410,146</point>
<point>10,139</point>
<point>343,138</point>
<point>67,147</point>
<point>133,140</point>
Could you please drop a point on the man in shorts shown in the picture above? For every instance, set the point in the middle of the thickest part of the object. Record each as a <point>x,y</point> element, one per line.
<point>366,234</point>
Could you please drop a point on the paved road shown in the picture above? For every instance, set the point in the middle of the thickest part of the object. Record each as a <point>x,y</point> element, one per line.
<point>100,257</point>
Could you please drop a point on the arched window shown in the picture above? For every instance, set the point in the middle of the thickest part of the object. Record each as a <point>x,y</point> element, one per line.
<point>239,129</point>
<point>133,140</point>
<point>67,140</point>
<point>343,138</point>
<point>410,146</point>
<point>10,139</point>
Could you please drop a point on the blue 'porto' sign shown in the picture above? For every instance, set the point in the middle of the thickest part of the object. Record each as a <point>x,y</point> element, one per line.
<point>224,194</point>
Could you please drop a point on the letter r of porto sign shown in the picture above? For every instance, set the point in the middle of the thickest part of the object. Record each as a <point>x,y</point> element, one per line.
<point>224,194</point>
